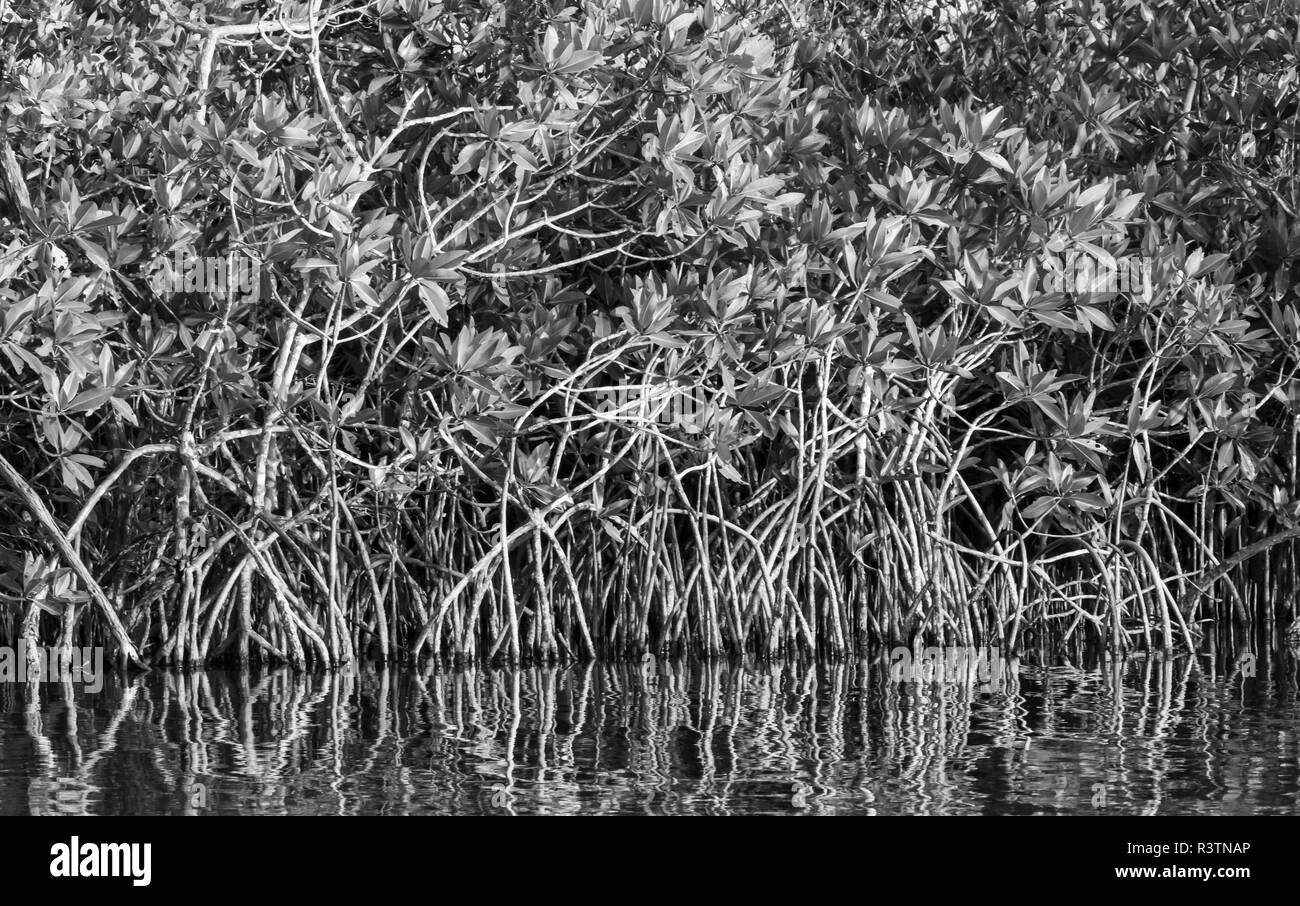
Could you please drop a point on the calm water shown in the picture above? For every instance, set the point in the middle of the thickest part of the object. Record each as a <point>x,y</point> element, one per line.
<point>690,738</point>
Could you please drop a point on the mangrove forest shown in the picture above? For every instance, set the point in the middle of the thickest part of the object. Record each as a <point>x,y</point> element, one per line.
<point>547,331</point>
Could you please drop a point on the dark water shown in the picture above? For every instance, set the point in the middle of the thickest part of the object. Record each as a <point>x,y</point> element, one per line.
<point>1148,736</point>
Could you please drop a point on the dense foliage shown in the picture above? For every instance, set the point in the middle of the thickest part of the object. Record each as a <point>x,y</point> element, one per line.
<point>495,244</point>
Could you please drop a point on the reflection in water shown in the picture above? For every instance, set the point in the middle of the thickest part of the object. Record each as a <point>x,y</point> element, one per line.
<point>1149,736</point>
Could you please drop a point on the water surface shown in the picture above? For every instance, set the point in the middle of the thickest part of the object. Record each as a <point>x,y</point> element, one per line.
<point>1147,736</point>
